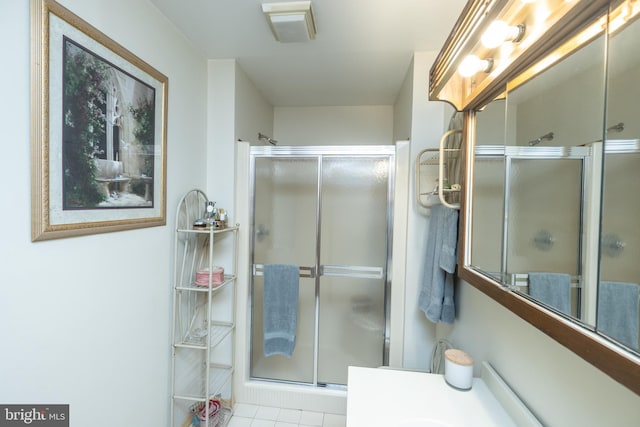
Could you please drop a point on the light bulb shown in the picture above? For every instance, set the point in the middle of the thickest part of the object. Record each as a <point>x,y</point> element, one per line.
<point>499,32</point>
<point>471,65</point>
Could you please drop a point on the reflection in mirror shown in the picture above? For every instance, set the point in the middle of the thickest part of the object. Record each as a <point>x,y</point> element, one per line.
<point>536,184</point>
<point>488,191</point>
<point>543,232</point>
<point>618,293</point>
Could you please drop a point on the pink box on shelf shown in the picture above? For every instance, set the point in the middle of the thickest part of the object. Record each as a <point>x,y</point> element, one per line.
<point>217,276</point>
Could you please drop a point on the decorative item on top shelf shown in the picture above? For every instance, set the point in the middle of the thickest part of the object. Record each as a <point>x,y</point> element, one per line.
<point>215,218</point>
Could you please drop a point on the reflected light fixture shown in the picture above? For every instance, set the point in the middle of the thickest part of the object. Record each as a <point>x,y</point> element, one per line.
<point>471,65</point>
<point>499,32</point>
<point>291,22</point>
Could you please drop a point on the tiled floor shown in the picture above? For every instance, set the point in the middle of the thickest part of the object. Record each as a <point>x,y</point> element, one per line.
<point>245,415</point>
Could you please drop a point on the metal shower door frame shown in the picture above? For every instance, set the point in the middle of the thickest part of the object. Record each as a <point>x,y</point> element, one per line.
<point>318,270</point>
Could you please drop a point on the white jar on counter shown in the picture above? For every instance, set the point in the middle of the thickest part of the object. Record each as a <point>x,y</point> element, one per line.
<point>458,369</point>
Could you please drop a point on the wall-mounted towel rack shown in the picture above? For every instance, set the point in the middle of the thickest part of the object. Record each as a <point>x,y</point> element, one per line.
<point>446,186</point>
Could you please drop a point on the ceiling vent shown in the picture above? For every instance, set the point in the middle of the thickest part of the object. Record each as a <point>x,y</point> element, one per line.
<point>291,22</point>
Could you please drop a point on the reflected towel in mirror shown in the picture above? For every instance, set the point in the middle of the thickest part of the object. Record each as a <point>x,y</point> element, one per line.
<point>553,289</point>
<point>618,311</point>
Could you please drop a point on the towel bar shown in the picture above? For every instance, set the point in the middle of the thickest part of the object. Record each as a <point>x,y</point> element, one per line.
<point>332,270</point>
<point>352,271</point>
<point>522,280</point>
<point>306,272</point>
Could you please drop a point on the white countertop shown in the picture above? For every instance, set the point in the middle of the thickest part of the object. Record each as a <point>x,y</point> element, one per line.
<point>396,398</point>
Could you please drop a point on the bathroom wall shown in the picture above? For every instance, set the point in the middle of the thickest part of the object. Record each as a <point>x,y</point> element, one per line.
<point>426,127</point>
<point>334,125</point>
<point>402,108</point>
<point>236,111</point>
<point>85,321</point>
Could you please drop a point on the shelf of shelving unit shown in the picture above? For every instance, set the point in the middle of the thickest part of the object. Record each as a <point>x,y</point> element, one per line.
<point>218,332</point>
<point>207,231</point>
<point>197,375</point>
<point>195,391</point>
<point>228,278</point>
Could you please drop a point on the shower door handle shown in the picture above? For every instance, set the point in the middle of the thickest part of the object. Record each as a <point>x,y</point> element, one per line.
<point>362,272</point>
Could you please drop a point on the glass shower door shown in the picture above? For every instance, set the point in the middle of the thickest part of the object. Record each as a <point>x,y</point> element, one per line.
<point>353,260</point>
<point>285,218</point>
<point>327,211</point>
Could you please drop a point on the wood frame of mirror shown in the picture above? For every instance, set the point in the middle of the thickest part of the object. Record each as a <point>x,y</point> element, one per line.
<point>569,29</point>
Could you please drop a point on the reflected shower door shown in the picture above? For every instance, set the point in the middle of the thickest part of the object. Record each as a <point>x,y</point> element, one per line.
<point>620,213</point>
<point>285,218</point>
<point>487,211</point>
<point>353,258</point>
<point>544,211</point>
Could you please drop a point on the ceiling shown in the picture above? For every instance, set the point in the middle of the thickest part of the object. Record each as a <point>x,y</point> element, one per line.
<point>360,56</point>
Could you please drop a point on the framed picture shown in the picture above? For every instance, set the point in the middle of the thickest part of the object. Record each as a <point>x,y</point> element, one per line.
<point>98,131</point>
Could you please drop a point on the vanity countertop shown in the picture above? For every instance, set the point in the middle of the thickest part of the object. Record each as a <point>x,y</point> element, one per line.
<point>397,398</point>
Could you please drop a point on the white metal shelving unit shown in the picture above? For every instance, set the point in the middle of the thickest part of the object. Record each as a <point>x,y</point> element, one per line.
<point>203,319</point>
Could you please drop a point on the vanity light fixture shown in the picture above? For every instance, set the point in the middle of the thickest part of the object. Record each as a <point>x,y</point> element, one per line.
<point>291,22</point>
<point>472,65</point>
<point>499,32</point>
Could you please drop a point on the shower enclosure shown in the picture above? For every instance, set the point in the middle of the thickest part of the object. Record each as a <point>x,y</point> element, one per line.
<point>328,211</point>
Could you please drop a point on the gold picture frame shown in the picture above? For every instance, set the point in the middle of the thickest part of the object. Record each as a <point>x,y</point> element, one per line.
<point>98,130</point>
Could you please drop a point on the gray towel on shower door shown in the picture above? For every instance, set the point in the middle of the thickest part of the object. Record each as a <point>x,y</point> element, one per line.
<point>436,293</point>
<point>280,308</point>
<point>618,311</point>
<point>553,289</point>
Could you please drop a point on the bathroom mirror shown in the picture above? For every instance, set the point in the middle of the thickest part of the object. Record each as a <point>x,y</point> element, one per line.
<point>618,292</point>
<point>550,226</point>
<point>486,213</point>
<point>536,183</point>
